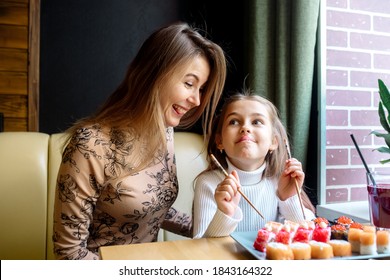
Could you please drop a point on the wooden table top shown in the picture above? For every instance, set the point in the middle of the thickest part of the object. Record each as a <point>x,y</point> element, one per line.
<point>221,248</point>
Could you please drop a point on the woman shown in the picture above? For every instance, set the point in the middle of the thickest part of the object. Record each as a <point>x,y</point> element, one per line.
<point>249,142</point>
<point>117,180</point>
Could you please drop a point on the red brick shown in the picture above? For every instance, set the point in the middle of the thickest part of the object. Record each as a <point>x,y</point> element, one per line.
<point>348,20</point>
<point>345,176</point>
<point>365,118</point>
<point>337,3</point>
<point>381,24</point>
<point>369,41</point>
<point>348,59</point>
<point>336,77</point>
<point>368,79</point>
<point>348,98</point>
<point>337,117</point>
<point>336,157</point>
<point>336,195</point>
<point>336,38</point>
<point>378,6</point>
<point>342,137</point>
<point>381,61</point>
<point>359,194</point>
<point>371,157</point>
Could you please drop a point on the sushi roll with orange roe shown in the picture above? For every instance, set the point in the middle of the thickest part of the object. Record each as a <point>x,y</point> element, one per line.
<point>368,242</point>
<point>356,225</point>
<point>354,239</point>
<point>338,231</point>
<point>383,241</point>
<point>318,220</point>
<point>344,220</point>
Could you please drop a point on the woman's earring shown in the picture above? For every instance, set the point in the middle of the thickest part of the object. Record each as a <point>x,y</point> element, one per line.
<point>221,151</point>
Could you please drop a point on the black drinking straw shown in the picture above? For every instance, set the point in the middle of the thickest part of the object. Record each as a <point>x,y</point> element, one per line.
<point>364,162</point>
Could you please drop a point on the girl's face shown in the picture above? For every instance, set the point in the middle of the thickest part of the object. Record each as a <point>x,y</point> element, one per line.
<point>182,91</point>
<point>247,134</point>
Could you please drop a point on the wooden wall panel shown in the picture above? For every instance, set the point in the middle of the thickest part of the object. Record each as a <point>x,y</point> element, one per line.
<point>13,83</point>
<point>13,37</point>
<point>13,13</point>
<point>15,66</point>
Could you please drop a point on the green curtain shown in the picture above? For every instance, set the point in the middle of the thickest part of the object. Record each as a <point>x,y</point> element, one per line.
<point>280,58</point>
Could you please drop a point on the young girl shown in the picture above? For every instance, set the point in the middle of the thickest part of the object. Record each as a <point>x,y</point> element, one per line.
<point>249,142</point>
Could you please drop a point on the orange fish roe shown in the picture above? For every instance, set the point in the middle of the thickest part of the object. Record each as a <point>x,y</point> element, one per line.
<point>356,225</point>
<point>318,220</point>
<point>338,227</point>
<point>344,220</point>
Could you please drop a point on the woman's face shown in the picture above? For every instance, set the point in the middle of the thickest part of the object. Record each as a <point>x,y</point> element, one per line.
<point>182,91</point>
<point>246,134</point>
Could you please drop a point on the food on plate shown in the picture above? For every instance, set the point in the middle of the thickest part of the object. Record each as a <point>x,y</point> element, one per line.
<point>383,241</point>
<point>341,248</point>
<point>263,237</point>
<point>368,242</point>
<point>344,220</point>
<point>356,225</point>
<point>338,231</point>
<point>301,251</point>
<point>278,251</point>
<point>318,220</point>
<point>273,226</point>
<point>354,239</point>
<point>303,235</point>
<point>320,250</point>
<point>321,233</point>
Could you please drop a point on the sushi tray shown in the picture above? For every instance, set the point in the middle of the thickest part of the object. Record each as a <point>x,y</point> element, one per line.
<point>246,240</point>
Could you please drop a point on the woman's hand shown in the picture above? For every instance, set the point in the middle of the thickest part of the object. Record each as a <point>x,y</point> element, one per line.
<point>292,171</point>
<point>226,194</point>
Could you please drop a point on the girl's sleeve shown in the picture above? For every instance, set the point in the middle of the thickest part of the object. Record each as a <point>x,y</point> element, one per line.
<point>77,191</point>
<point>208,220</point>
<point>290,209</point>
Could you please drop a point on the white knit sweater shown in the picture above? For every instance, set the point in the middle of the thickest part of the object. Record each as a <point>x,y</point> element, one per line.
<point>211,222</point>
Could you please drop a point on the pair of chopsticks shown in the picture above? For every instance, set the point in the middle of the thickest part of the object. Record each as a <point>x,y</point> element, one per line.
<point>296,182</point>
<point>239,190</point>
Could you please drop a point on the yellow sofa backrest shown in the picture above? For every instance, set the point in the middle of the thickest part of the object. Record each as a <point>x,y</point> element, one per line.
<point>29,163</point>
<point>23,195</point>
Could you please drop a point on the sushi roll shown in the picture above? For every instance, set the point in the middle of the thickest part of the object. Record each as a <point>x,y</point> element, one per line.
<point>303,235</point>
<point>278,251</point>
<point>291,226</point>
<point>273,226</point>
<point>338,231</point>
<point>263,237</point>
<point>318,220</point>
<point>321,233</point>
<point>344,220</point>
<point>301,251</point>
<point>356,225</point>
<point>383,241</point>
<point>320,250</point>
<point>284,236</point>
<point>367,243</point>
<point>341,248</point>
<point>354,239</point>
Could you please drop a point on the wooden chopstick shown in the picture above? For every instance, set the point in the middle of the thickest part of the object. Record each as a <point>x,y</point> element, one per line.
<point>296,182</point>
<point>239,190</point>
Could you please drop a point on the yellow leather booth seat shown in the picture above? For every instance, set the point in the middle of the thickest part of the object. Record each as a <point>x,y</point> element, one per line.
<point>29,163</point>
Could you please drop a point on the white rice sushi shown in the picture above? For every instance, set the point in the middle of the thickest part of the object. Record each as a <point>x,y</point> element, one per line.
<point>383,241</point>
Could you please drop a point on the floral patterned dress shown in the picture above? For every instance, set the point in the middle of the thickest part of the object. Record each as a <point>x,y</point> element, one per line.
<point>97,204</point>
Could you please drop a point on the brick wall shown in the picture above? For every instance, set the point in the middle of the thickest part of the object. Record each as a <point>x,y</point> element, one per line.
<point>357,55</point>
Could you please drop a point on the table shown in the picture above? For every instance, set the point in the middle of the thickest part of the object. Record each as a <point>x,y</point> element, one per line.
<point>221,248</point>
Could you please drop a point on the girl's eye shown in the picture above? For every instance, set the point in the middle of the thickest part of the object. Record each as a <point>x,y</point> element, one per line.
<point>258,122</point>
<point>188,84</point>
<point>233,122</point>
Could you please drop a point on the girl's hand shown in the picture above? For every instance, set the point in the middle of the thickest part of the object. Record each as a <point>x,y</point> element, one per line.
<point>292,171</point>
<point>226,194</point>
